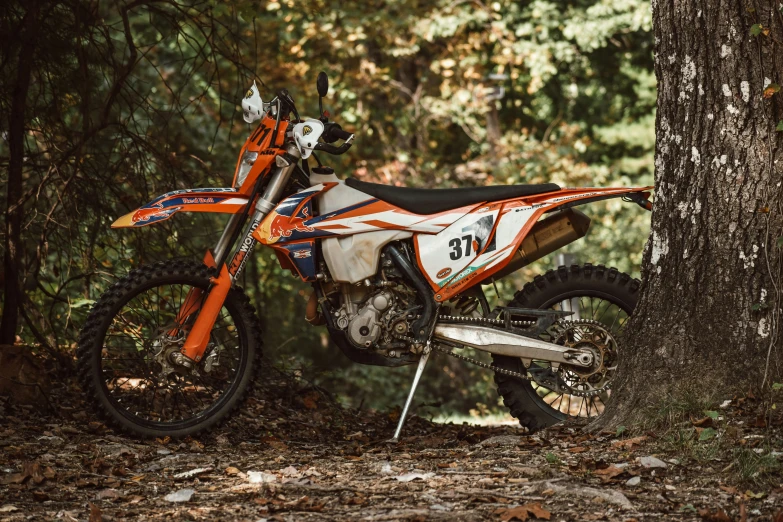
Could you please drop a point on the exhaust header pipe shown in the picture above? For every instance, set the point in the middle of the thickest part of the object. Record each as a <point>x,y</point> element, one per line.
<point>506,343</point>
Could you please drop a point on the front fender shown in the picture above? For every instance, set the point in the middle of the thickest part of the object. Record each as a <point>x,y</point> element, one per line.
<point>223,200</point>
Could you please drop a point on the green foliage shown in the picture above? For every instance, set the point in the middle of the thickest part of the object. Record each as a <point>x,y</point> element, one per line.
<point>106,134</point>
<point>553,459</point>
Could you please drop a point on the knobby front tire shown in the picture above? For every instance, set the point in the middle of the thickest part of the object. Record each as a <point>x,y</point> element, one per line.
<point>122,364</point>
<point>600,293</point>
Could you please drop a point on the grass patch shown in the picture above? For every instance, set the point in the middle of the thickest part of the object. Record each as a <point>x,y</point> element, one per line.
<point>676,408</point>
<point>754,468</point>
<point>686,443</point>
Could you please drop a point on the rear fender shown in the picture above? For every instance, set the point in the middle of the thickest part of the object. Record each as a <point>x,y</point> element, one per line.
<point>222,200</point>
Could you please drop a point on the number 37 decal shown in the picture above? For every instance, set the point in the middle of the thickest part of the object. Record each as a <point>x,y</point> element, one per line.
<point>457,250</point>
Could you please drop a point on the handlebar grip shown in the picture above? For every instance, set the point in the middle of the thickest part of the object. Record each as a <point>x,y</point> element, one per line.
<point>341,134</point>
<point>331,149</point>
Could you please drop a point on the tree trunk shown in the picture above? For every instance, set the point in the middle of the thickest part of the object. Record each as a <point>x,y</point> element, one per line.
<point>12,297</point>
<point>707,324</point>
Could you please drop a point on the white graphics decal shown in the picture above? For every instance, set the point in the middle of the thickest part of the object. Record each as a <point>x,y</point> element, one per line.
<point>444,254</point>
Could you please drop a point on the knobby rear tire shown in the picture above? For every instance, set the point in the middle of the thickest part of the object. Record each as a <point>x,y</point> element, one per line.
<point>543,292</point>
<point>111,303</point>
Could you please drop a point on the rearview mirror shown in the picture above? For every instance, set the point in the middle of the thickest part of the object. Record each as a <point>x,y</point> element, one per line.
<point>322,84</point>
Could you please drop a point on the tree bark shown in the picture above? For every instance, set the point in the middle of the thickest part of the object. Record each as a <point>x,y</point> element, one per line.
<point>708,322</point>
<point>12,297</point>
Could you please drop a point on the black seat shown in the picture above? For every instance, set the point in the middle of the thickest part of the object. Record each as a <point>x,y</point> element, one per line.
<point>432,201</point>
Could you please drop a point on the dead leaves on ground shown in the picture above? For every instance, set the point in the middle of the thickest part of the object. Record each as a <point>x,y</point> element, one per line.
<point>30,470</point>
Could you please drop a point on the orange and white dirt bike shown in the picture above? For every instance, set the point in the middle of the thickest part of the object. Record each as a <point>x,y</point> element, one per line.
<point>397,273</point>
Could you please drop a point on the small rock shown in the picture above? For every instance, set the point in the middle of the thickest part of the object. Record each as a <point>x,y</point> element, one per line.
<point>438,507</point>
<point>652,462</point>
<point>8,508</point>
<point>183,495</point>
<point>260,477</point>
<point>669,487</point>
<point>108,494</point>
<point>725,404</point>
<point>407,477</point>
<point>633,481</point>
<point>192,473</point>
<point>164,451</point>
<point>290,471</point>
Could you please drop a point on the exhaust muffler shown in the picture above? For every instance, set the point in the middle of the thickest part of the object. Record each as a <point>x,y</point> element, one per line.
<point>545,237</point>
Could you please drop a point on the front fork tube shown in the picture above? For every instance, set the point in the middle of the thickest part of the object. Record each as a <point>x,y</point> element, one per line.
<point>198,338</point>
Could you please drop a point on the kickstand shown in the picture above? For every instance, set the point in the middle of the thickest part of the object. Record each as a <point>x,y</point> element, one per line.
<point>422,362</point>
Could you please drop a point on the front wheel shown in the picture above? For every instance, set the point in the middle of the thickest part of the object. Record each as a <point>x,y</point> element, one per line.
<point>129,344</point>
<point>602,300</point>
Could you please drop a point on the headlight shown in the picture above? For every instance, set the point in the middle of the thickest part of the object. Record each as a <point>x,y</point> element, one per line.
<point>248,158</point>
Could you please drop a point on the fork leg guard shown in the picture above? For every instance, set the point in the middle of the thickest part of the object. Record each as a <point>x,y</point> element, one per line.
<point>190,306</point>
<point>419,371</point>
<point>192,300</point>
<point>197,340</point>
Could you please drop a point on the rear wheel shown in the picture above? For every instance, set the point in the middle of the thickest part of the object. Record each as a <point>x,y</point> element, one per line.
<point>129,346</point>
<point>602,300</point>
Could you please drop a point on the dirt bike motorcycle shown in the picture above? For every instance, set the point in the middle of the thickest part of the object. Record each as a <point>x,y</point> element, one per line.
<point>397,273</point>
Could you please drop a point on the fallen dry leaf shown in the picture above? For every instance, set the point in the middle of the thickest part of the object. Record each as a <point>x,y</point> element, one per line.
<point>717,516</point>
<point>609,473</point>
<point>629,443</point>
<point>95,513</point>
<point>523,512</point>
<point>705,422</point>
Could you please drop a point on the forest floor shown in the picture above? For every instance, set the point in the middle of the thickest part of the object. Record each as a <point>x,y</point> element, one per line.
<point>293,454</point>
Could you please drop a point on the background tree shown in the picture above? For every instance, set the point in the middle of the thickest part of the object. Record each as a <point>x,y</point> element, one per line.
<point>708,322</point>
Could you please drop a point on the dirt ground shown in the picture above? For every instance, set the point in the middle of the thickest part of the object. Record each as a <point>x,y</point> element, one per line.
<point>293,454</point>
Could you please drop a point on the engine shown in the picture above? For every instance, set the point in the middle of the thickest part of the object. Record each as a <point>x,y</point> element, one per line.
<point>376,315</point>
<point>374,319</point>
<point>365,328</point>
